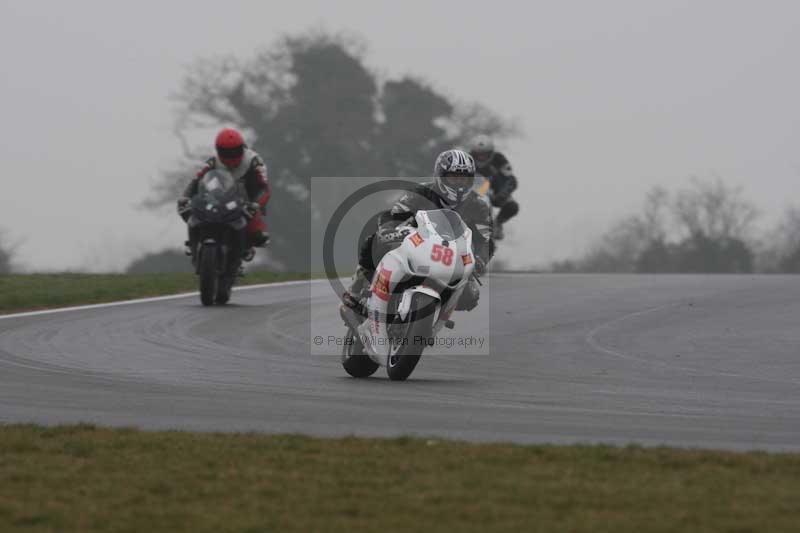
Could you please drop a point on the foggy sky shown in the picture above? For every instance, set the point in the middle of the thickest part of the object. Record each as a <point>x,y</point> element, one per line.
<point>614,97</point>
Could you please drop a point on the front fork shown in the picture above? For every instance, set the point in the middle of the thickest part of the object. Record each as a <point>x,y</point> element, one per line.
<point>211,246</point>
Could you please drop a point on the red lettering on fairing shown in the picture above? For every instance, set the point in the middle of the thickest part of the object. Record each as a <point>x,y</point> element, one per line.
<point>443,255</point>
<point>380,287</point>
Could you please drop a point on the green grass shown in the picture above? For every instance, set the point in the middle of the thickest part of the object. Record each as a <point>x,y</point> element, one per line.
<point>42,291</point>
<point>83,478</point>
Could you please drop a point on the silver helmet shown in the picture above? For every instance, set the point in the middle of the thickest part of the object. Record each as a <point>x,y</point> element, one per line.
<point>454,174</point>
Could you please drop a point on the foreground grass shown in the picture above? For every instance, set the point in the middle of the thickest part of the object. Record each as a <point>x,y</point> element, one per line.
<point>82,478</point>
<point>41,291</point>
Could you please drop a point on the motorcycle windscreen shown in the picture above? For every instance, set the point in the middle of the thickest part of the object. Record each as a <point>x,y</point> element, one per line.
<point>217,185</point>
<point>447,223</point>
<point>218,199</point>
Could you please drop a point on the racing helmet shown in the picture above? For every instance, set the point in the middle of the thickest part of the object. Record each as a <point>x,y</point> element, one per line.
<point>230,147</point>
<point>454,175</point>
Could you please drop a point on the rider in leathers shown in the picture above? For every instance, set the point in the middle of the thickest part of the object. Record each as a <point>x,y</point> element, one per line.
<point>454,175</point>
<point>247,167</point>
<point>495,167</point>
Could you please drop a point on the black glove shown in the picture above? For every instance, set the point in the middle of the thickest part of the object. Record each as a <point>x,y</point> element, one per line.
<point>183,204</point>
<point>251,208</point>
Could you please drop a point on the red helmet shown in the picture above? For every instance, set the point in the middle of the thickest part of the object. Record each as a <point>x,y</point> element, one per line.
<point>230,147</point>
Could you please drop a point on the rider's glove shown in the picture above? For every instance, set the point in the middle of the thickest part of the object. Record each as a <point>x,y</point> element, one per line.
<point>183,204</point>
<point>480,266</point>
<point>252,208</point>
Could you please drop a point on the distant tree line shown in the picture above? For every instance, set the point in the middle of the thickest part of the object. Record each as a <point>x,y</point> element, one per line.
<point>6,255</point>
<point>164,261</point>
<point>312,108</point>
<point>707,226</point>
<point>782,251</point>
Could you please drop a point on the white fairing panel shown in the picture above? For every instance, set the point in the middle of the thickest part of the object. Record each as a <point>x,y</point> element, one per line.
<point>405,301</point>
<point>391,270</point>
<point>439,249</point>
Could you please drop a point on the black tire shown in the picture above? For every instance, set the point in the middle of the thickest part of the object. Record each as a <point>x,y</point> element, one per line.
<point>224,290</point>
<point>354,360</point>
<point>208,274</point>
<point>418,327</point>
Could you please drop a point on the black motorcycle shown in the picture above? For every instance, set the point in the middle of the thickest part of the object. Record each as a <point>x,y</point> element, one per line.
<point>217,220</point>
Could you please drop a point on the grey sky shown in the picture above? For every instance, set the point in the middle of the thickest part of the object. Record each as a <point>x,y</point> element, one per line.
<point>614,97</point>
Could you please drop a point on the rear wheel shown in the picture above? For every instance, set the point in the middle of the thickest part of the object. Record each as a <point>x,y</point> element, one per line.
<point>410,337</point>
<point>354,359</point>
<point>208,274</point>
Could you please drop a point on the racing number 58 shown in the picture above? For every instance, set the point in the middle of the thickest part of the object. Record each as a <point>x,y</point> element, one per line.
<point>443,255</point>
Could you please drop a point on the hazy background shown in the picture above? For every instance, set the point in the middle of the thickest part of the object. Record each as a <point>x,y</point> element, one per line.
<point>614,97</point>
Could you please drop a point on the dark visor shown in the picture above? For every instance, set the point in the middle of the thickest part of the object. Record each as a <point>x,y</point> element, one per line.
<point>458,180</point>
<point>230,153</point>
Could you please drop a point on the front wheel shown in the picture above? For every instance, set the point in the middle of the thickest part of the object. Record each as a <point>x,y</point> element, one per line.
<point>410,337</point>
<point>355,360</point>
<point>209,276</point>
<point>225,286</point>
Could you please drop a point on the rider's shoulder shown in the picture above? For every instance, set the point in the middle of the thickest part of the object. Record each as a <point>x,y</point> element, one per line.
<point>426,189</point>
<point>208,165</point>
<point>476,201</point>
<point>254,158</point>
<point>414,197</point>
<point>474,196</point>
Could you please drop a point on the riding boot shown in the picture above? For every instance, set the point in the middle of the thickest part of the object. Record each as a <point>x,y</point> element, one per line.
<point>498,233</point>
<point>508,210</point>
<point>361,281</point>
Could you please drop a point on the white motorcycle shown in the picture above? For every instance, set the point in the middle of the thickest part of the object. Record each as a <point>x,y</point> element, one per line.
<point>414,292</point>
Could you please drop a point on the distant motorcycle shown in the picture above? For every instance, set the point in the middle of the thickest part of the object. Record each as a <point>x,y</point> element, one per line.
<point>217,218</point>
<point>414,293</point>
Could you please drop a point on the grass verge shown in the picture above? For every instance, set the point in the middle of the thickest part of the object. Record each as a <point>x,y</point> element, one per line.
<point>24,292</point>
<point>83,478</point>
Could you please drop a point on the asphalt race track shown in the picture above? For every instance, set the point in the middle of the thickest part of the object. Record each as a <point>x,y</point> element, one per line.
<point>706,361</point>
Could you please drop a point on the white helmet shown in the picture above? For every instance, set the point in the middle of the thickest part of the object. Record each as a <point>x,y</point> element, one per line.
<point>482,148</point>
<point>454,173</point>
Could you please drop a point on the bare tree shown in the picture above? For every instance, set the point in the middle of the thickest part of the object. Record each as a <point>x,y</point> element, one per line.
<point>311,107</point>
<point>654,220</point>
<point>701,228</point>
<point>473,118</point>
<point>781,252</point>
<point>715,210</point>
<point>789,230</point>
<point>621,246</point>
